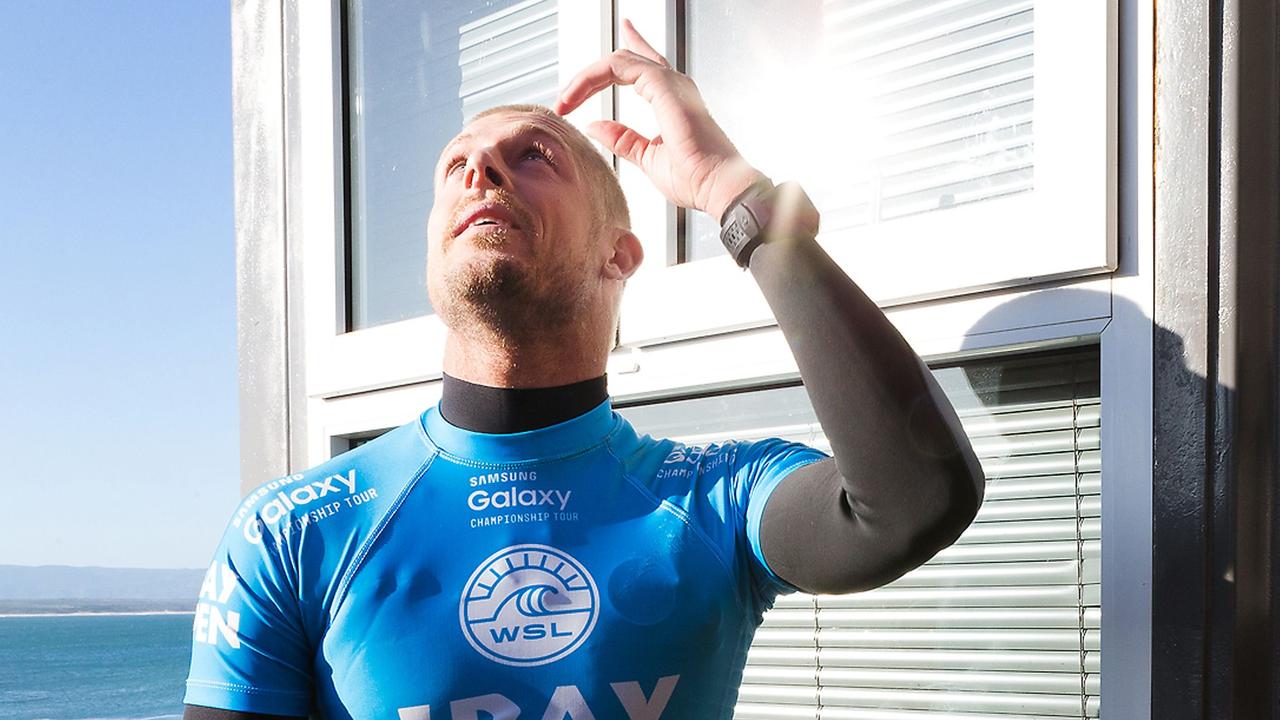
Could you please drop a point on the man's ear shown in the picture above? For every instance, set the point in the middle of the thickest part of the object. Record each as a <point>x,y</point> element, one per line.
<point>627,256</point>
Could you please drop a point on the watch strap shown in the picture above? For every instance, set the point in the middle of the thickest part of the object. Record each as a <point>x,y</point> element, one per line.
<point>748,218</point>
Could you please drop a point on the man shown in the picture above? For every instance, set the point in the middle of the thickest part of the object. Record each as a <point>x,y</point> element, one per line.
<point>518,551</point>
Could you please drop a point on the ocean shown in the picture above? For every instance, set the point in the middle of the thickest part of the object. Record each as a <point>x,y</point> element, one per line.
<point>67,667</point>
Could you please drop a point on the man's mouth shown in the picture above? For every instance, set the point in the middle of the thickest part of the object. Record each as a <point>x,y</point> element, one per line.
<point>488,215</point>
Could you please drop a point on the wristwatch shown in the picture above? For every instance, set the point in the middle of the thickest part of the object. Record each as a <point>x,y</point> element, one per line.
<point>762,212</point>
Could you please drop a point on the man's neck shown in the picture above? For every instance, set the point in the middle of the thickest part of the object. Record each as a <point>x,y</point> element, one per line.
<point>551,361</point>
<point>482,408</point>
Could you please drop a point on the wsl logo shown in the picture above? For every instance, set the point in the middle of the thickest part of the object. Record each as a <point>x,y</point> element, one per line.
<point>528,605</point>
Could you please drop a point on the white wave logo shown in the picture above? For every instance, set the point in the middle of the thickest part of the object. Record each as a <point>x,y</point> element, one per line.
<point>528,605</point>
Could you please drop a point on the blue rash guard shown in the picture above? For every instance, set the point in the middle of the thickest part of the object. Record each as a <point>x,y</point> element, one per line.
<point>573,571</point>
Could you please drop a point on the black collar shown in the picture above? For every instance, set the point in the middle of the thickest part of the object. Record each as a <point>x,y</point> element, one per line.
<point>481,408</point>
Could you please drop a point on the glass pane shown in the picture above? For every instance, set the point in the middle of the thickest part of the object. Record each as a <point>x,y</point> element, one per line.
<point>881,109</point>
<point>1007,620</point>
<point>416,71</point>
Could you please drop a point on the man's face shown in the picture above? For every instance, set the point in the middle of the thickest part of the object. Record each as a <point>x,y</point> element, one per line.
<point>513,238</point>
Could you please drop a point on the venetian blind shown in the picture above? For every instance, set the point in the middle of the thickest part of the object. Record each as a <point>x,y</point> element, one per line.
<point>509,56</point>
<point>1005,624</point>
<point>950,84</point>
<point>920,105</point>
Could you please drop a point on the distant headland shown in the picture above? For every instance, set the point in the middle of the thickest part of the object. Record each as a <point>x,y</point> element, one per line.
<point>69,590</point>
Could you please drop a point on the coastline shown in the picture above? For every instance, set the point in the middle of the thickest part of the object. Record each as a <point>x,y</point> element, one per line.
<point>96,613</point>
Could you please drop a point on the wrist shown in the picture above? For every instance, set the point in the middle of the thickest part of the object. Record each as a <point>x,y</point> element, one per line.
<point>731,181</point>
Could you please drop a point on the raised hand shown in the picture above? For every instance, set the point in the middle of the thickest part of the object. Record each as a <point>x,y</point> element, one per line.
<point>691,161</point>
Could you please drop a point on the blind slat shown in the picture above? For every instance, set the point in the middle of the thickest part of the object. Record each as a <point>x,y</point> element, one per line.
<point>1044,486</point>
<point>932,618</point>
<point>1089,528</point>
<point>1028,551</point>
<point>994,639</point>
<point>1008,596</point>
<point>1029,420</point>
<point>1012,659</point>
<point>876,40</point>
<point>990,702</point>
<point>1067,683</point>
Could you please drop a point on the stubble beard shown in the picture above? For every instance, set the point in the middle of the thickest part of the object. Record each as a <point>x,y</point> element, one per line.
<point>499,295</point>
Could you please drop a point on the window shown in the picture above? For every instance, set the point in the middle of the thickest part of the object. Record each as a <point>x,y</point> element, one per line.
<point>383,85</point>
<point>415,73</point>
<point>951,145</point>
<point>412,72</point>
<point>1007,620</point>
<point>895,109</point>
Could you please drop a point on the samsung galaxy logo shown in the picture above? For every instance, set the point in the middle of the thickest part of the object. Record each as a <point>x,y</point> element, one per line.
<point>503,477</point>
<point>279,506</point>
<point>513,498</point>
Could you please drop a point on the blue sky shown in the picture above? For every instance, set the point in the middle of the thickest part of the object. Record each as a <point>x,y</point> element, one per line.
<point>118,408</point>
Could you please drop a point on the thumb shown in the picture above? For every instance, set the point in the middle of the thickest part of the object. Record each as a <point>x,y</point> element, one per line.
<point>621,140</point>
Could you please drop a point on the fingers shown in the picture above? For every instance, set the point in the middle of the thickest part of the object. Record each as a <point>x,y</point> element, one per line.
<point>621,140</point>
<point>621,67</point>
<point>633,41</point>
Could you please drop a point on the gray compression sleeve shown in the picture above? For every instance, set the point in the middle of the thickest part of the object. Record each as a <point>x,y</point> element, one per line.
<point>903,482</point>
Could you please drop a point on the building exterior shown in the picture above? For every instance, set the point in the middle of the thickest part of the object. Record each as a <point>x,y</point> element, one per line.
<point>1047,198</point>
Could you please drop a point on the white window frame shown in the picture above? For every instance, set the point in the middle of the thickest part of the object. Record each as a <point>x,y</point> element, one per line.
<point>1075,121</point>
<point>384,376</point>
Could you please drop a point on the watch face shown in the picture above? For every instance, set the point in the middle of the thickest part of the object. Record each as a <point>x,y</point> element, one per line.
<point>756,215</point>
<point>740,233</point>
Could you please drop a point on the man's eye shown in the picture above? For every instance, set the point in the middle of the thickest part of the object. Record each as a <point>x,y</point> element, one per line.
<point>454,164</point>
<point>538,152</point>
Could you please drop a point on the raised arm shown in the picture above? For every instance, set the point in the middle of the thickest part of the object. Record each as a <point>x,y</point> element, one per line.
<point>903,482</point>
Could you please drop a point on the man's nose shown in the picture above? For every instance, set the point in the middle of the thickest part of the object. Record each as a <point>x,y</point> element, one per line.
<point>484,169</point>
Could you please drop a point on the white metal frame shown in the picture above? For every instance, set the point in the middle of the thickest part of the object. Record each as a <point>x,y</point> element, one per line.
<point>1071,212</point>
<point>384,376</point>
<point>1127,472</point>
